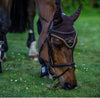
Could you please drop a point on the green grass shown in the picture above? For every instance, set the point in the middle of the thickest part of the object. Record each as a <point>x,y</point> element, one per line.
<point>20,76</point>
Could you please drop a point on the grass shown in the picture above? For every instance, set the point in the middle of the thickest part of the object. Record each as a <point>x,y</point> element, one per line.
<point>20,77</point>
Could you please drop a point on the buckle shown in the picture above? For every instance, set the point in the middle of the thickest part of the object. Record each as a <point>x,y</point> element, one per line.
<point>44,70</point>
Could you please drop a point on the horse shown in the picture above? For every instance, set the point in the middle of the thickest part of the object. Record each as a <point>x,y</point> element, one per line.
<point>56,43</point>
<point>14,17</point>
<point>4,25</point>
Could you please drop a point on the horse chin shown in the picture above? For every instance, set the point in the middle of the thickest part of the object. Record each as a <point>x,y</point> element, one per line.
<point>61,83</point>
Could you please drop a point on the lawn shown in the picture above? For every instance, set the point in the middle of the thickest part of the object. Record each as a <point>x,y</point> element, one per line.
<point>21,76</point>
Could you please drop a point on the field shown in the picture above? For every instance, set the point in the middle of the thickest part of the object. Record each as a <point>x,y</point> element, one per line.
<point>21,76</point>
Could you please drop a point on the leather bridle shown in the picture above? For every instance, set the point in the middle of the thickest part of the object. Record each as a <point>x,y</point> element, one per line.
<point>51,61</point>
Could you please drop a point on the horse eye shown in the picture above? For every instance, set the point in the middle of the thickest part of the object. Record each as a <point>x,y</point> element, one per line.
<point>57,46</point>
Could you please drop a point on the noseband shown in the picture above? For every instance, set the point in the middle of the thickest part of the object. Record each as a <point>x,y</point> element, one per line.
<point>69,42</point>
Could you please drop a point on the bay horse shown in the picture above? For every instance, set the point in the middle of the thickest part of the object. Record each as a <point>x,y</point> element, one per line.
<point>56,43</point>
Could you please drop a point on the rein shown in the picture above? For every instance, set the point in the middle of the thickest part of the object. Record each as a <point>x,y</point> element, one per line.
<point>51,62</point>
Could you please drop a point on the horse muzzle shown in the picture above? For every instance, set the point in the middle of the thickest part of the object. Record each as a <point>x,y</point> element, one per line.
<point>69,86</point>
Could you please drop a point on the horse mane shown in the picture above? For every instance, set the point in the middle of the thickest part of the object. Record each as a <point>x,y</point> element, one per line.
<point>18,16</point>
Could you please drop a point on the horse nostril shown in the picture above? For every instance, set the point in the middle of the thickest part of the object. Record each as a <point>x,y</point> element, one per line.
<point>68,85</point>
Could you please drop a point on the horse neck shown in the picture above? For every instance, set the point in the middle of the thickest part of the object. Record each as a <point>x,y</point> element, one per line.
<point>46,10</point>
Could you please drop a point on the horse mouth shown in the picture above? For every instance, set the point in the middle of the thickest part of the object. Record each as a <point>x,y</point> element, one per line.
<point>68,86</point>
<point>65,86</point>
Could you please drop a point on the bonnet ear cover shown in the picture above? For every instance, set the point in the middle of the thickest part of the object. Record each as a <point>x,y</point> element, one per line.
<point>57,16</point>
<point>74,16</point>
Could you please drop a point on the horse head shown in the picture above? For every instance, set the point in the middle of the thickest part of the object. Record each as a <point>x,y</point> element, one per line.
<point>63,42</point>
<point>58,47</point>
<point>5,22</point>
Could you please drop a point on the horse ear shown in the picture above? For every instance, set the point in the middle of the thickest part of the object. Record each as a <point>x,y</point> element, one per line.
<point>76,14</point>
<point>57,16</point>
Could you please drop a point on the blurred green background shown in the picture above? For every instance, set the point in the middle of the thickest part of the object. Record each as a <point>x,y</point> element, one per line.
<point>73,3</point>
<point>89,6</point>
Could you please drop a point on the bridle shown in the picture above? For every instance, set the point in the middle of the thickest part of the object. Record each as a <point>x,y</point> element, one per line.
<point>51,62</point>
